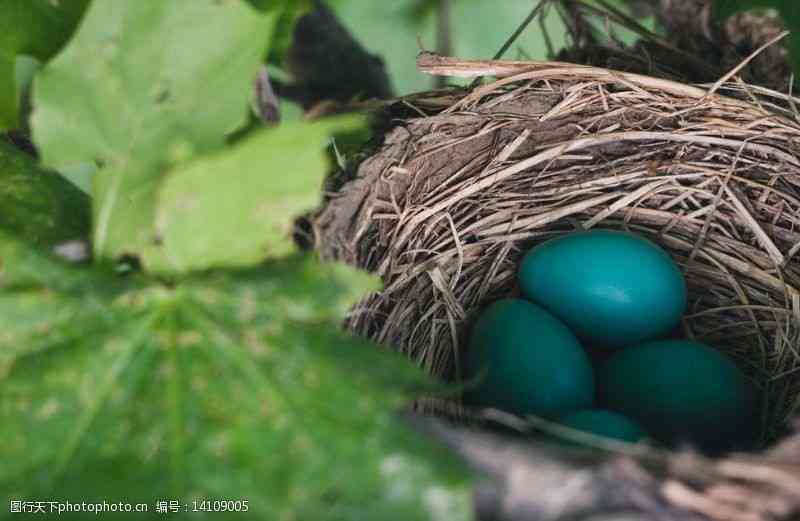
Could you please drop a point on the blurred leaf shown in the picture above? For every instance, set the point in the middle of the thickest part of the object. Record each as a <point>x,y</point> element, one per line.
<point>237,207</point>
<point>788,9</point>
<point>44,302</point>
<point>38,205</point>
<point>35,27</point>
<point>230,386</point>
<point>418,10</point>
<point>278,5</point>
<point>290,111</point>
<point>25,69</point>
<point>24,266</point>
<point>142,86</point>
<point>81,174</point>
<point>8,94</point>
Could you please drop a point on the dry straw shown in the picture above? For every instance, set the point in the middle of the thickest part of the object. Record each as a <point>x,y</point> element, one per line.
<point>466,181</point>
<point>457,193</point>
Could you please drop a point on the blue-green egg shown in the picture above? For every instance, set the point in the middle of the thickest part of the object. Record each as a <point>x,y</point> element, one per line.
<point>611,288</point>
<point>524,361</point>
<point>681,392</point>
<point>601,422</point>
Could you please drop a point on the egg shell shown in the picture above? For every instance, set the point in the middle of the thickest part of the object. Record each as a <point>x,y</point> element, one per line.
<point>611,288</point>
<point>605,423</point>
<point>526,362</point>
<point>681,391</point>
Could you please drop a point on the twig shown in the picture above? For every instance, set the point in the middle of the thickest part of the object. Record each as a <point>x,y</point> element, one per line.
<point>534,481</point>
<point>443,36</point>
<point>267,104</point>
<point>632,25</point>
<point>744,62</point>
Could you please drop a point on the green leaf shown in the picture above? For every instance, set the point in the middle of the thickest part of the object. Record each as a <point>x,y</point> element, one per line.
<point>141,87</point>
<point>228,386</point>
<point>34,27</point>
<point>22,266</point>
<point>313,291</point>
<point>39,205</point>
<point>45,302</point>
<point>279,5</point>
<point>25,69</point>
<point>237,207</point>
<point>8,94</point>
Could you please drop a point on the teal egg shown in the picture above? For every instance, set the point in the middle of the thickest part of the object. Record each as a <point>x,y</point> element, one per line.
<point>604,423</point>
<point>611,288</point>
<point>525,361</point>
<point>681,392</point>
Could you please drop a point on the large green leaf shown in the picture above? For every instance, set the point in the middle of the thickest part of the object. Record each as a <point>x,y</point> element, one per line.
<point>44,302</point>
<point>788,9</point>
<point>271,5</point>
<point>141,87</point>
<point>237,207</point>
<point>22,267</point>
<point>39,205</point>
<point>33,27</point>
<point>228,386</point>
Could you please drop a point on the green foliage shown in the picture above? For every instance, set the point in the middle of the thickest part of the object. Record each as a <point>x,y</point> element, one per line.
<point>219,372</point>
<point>788,9</point>
<point>229,385</point>
<point>34,27</point>
<point>23,267</point>
<point>39,205</point>
<point>274,176</point>
<point>279,5</point>
<point>230,380</point>
<point>139,89</point>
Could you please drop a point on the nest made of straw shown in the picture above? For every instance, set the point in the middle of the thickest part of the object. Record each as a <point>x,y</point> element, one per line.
<point>469,180</point>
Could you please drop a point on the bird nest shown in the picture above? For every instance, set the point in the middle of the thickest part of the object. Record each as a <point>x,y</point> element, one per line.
<point>467,180</point>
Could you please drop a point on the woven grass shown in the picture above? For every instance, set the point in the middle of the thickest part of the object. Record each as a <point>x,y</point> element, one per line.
<point>467,181</point>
